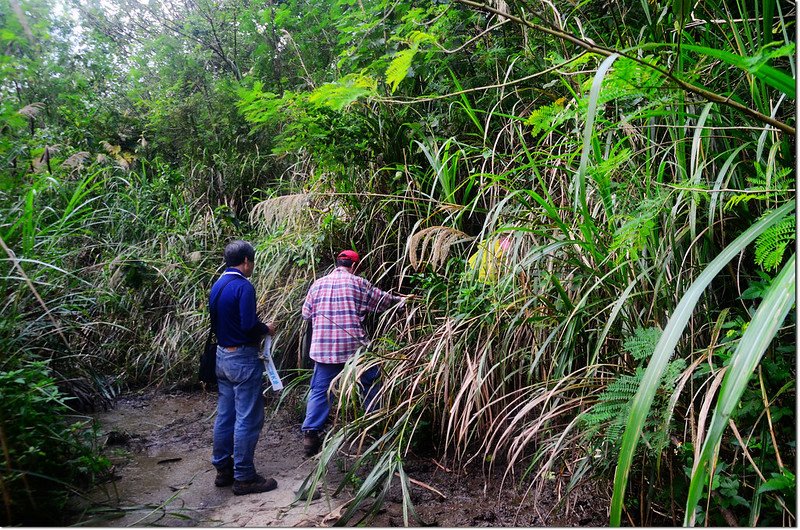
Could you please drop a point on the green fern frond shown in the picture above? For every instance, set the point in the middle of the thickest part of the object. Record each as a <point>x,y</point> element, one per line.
<point>643,342</point>
<point>771,177</point>
<point>772,244</point>
<point>612,404</point>
<point>608,416</point>
<point>745,197</point>
<point>262,108</point>
<point>771,181</point>
<point>399,67</point>
<point>344,92</point>
<point>628,79</point>
<point>659,436</point>
<point>674,370</point>
<point>420,37</point>
<point>547,117</point>
<point>636,229</point>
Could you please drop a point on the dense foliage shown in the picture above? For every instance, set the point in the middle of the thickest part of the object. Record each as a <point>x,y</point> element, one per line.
<point>592,203</point>
<point>37,436</point>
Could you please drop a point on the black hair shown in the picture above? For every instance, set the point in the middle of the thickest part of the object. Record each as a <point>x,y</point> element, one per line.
<point>237,251</point>
<point>343,262</point>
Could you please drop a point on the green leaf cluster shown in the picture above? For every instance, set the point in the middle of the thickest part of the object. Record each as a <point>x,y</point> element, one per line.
<point>606,419</point>
<point>42,452</point>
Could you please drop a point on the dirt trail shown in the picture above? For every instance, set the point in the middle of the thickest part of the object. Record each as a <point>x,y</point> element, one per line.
<point>160,445</point>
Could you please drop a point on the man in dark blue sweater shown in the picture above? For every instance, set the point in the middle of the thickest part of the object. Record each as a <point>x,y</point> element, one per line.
<point>240,407</point>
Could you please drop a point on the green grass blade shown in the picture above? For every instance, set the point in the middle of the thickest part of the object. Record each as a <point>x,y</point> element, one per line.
<point>768,74</point>
<point>729,165</point>
<point>615,309</point>
<point>696,166</point>
<point>759,334</point>
<point>666,346</point>
<point>467,106</point>
<point>588,132</point>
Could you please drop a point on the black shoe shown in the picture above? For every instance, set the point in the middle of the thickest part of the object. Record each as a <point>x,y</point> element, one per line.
<point>311,443</point>
<point>224,476</point>
<point>257,485</point>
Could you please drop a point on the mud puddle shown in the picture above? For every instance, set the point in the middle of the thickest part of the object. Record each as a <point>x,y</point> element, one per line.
<point>160,445</point>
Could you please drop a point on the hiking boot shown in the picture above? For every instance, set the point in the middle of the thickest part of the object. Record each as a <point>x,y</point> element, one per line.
<point>258,484</point>
<point>311,443</point>
<point>224,476</point>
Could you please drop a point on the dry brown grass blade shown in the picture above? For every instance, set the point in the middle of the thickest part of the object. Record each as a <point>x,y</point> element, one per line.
<point>524,423</point>
<point>335,515</point>
<point>13,258</point>
<point>769,420</point>
<point>559,445</point>
<point>466,400</point>
<point>432,245</point>
<point>522,440</point>
<point>743,447</point>
<point>32,110</point>
<point>423,485</point>
<point>76,160</point>
<point>284,208</point>
<point>707,402</point>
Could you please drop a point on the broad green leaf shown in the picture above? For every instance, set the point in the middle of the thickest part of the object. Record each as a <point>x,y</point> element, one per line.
<point>769,317</point>
<point>779,482</point>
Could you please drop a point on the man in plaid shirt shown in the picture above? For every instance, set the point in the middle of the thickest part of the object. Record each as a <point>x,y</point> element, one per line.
<point>336,304</point>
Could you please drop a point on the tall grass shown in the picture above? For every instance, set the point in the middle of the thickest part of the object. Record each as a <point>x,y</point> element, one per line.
<point>665,349</point>
<point>617,205</point>
<point>636,188</point>
<point>118,264</point>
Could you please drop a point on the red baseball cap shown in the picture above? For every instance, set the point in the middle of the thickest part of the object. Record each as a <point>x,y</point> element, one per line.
<point>352,255</point>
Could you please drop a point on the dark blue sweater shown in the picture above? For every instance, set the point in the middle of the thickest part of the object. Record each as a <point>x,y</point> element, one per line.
<point>236,319</point>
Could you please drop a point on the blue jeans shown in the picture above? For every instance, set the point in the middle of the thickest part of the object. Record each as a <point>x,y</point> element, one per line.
<point>319,400</point>
<point>240,410</point>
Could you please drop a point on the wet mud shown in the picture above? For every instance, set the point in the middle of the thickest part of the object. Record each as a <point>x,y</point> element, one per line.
<point>160,446</point>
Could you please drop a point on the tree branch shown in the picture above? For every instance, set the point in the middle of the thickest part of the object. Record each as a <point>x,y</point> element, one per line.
<point>479,88</point>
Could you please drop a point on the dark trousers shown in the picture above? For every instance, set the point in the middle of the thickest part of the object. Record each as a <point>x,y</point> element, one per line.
<point>320,401</point>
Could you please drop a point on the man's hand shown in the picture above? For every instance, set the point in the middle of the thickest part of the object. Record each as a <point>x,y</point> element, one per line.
<point>271,327</point>
<point>407,298</point>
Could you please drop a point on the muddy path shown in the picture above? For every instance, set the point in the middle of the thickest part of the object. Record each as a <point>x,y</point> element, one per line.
<point>160,445</point>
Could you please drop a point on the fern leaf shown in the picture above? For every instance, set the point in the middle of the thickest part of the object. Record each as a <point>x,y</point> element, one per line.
<point>547,117</point>
<point>420,37</point>
<point>399,67</point>
<point>337,96</point>
<point>643,342</point>
<point>772,181</point>
<point>772,244</point>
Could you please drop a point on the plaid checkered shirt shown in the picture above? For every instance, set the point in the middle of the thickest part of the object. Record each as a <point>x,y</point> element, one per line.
<point>336,304</point>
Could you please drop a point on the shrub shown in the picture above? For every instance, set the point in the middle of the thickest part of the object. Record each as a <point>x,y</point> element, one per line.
<point>45,456</point>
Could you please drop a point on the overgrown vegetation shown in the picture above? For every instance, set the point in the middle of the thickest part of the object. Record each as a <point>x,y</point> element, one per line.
<point>50,455</point>
<point>593,203</point>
